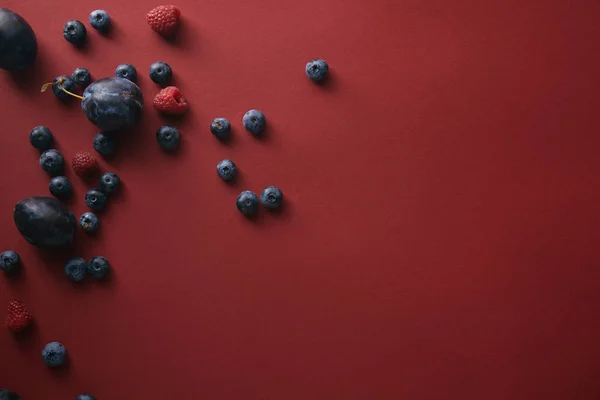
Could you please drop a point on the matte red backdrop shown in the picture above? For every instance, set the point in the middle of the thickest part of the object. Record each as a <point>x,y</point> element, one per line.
<point>440,233</point>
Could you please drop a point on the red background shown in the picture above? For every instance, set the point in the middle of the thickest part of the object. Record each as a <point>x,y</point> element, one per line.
<point>440,233</point>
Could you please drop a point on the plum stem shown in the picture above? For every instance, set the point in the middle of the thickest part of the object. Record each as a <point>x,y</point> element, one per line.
<point>45,87</point>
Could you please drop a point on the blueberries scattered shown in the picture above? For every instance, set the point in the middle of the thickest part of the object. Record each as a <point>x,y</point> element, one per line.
<point>76,269</point>
<point>89,222</point>
<point>75,32</point>
<point>161,73</point>
<point>52,162</point>
<point>95,199</point>
<point>10,262</point>
<point>220,127</point>
<point>54,354</point>
<point>100,20</point>
<point>84,396</point>
<point>104,143</point>
<point>64,82</point>
<point>226,170</point>
<point>271,197</point>
<point>41,138</point>
<point>247,202</point>
<point>254,122</point>
<point>317,70</point>
<point>81,77</point>
<point>98,267</point>
<point>168,137</point>
<point>126,71</point>
<point>109,182</point>
<point>60,187</point>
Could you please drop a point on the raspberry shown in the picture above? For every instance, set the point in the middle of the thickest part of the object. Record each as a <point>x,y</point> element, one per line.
<point>170,101</point>
<point>84,163</point>
<point>18,316</point>
<point>164,19</point>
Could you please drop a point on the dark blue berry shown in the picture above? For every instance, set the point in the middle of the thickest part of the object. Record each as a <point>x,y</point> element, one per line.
<point>161,73</point>
<point>95,199</point>
<point>85,396</point>
<point>100,20</point>
<point>6,394</point>
<point>220,127</point>
<point>81,77</point>
<point>10,262</point>
<point>271,197</point>
<point>52,162</point>
<point>75,32</point>
<point>254,122</point>
<point>247,202</point>
<point>65,82</point>
<point>54,354</point>
<point>126,71</point>
<point>104,143</point>
<point>109,182</point>
<point>168,137</point>
<point>76,269</point>
<point>98,267</point>
<point>89,222</point>
<point>41,138</point>
<point>226,170</point>
<point>317,70</point>
<point>60,187</point>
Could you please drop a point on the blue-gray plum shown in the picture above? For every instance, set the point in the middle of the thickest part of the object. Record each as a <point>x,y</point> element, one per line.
<point>18,45</point>
<point>44,222</point>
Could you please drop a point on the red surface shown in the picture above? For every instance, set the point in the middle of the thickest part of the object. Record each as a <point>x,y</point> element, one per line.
<point>440,236</point>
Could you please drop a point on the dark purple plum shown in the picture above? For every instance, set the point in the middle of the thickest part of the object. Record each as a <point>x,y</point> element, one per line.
<point>18,45</point>
<point>44,222</point>
<point>113,104</point>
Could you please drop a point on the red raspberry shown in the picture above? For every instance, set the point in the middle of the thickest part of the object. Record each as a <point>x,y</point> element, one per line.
<point>84,163</point>
<point>170,101</point>
<point>164,19</point>
<point>18,316</point>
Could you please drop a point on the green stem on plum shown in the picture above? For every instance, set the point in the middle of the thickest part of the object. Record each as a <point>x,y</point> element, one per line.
<point>45,86</point>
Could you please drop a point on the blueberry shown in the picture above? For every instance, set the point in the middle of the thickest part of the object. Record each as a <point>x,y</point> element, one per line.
<point>89,222</point>
<point>60,187</point>
<point>54,354</point>
<point>161,73</point>
<point>10,262</point>
<point>168,137</point>
<point>76,269</point>
<point>85,396</point>
<point>126,71</point>
<point>81,77</point>
<point>98,267</point>
<point>6,394</point>
<point>109,182</point>
<point>95,199</point>
<point>247,202</point>
<point>64,82</point>
<point>52,162</point>
<point>271,197</point>
<point>226,170</point>
<point>104,143</point>
<point>75,32</point>
<point>220,127</point>
<point>317,70</point>
<point>100,20</point>
<point>254,121</point>
<point>41,138</point>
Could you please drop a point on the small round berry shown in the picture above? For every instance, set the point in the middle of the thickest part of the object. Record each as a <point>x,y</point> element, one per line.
<point>98,267</point>
<point>254,122</point>
<point>247,202</point>
<point>95,199</point>
<point>226,170</point>
<point>168,137</point>
<point>271,197</point>
<point>104,143</point>
<point>81,77</point>
<point>41,138</point>
<point>161,73</point>
<point>220,127</point>
<point>89,222</point>
<point>100,20</point>
<point>85,396</point>
<point>10,262</point>
<point>60,187</point>
<point>52,162</point>
<point>54,354</point>
<point>76,269</point>
<point>126,71</point>
<point>75,32</point>
<point>63,82</point>
<point>317,70</point>
<point>109,182</point>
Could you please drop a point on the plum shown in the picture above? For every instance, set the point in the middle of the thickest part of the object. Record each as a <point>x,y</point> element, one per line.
<point>18,45</point>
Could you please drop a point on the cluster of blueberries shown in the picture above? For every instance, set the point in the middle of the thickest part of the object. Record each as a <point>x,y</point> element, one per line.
<point>74,31</point>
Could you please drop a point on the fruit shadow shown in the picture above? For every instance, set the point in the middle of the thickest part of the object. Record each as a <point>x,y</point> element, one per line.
<point>62,372</point>
<point>330,84</point>
<point>185,37</point>
<point>55,259</point>
<point>29,339</point>
<point>31,79</point>
<point>18,277</point>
